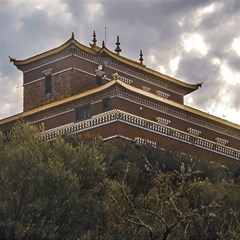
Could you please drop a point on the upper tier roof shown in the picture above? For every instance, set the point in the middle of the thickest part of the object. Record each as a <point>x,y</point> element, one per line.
<point>98,51</point>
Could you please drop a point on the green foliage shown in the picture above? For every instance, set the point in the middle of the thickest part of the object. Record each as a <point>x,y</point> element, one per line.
<point>79,187</point>
<point>44,186</point>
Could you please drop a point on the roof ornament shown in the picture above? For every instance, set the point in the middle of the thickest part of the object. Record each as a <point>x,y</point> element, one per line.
<point>105,35</point>
<point>115,76</point>
<point>141,57</point>
<point>118,49</point>
<point>72,35</point>
<point>103,44</point>
<point>11,59</point>
<point>94,40</point>
<point>200,85</point>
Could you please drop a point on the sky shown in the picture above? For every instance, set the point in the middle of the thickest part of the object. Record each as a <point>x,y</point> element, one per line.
<point>191,40</point>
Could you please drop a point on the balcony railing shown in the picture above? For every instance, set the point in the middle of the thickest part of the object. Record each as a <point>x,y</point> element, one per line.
<point>136,121</point>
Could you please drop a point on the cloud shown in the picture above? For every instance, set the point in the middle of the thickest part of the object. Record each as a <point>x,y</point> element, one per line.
<point>174,63</point>
<point>195,42</point>
<point>12,99</point>
<point>236,45</point>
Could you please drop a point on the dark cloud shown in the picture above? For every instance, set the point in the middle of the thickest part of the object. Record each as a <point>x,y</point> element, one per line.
<point>234,62</point>
<point>201,70</point>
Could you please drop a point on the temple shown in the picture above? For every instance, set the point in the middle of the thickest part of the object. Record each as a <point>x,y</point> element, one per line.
<point>76,89</point>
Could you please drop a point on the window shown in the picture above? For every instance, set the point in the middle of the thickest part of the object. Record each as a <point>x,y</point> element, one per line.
<point>106,104</point>
<point>83,112</point>
<point>100,75</point>
<point>147,89</point>
<point>98,80</point>
<point>193,131</point>
<point>221,141</point>
<point>48,84</point>
<point>162,94</point>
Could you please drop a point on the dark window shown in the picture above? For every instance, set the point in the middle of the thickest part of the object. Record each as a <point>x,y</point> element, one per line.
<point>48,84</point>
<point>106,104</point>
<point>99,80</point>
<point>83,112</point>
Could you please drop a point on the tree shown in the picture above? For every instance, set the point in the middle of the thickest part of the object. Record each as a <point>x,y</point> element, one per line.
<point>197,202</point>
<point>163,212</point>
<point>81,187</point>
<point>45,186</point>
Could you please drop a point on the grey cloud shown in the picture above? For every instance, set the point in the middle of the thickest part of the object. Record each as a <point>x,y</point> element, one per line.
<point>235,97</point>
<point>198,70</point>
<point>234,62</point>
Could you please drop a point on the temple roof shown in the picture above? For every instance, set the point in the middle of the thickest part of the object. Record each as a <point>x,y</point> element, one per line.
<point>96,50</point>
<point>127,87</point>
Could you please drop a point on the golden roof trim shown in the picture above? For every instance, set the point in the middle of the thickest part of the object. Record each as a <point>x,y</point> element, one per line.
<point>126,86</point>
<point>97,50</point>
<point>149,70</point>
<point>53,51</point>
<point>57,103</point>
<point>181,106</point>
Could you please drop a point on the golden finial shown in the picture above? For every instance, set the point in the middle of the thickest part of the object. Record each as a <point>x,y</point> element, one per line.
<point>118,49</point>
<point>93,45</point>
<point>141,57</point>
<point>103,44</point>
<point>115,76</point>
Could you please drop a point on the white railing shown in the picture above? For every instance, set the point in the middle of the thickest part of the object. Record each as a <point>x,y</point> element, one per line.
<point>143,141</point>
<point>95,121</point>
<point>136,121</point>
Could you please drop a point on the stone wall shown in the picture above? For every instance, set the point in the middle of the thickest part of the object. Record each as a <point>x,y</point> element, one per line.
<point>64,85</point>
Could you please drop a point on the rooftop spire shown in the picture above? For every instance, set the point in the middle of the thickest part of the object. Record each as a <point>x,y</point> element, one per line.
<point>72,35</point>
<point>11,59</point>
<point>118,49</point>
<point>94,40</point>
<point>141,57</point>
<point>103,44</point>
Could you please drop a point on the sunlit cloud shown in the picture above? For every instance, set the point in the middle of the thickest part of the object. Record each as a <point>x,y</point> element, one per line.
<point>181,22</point>
<point>216,61</point>
<point>56,9</point>
<point>95,10</point>
<point>13,104</point>
<point>224,109</point>
<point>197,16</point>
<point>188,100</point>
<point>236,45</point>
<point>195,42</point>
<point>39,7</point>
<point>230,76</point>
<point>222,106</point>
<point>174,63</point>
<point>151,59</point>
<point>202,13</point>
<point>162,69</point>
<point>208,9</point>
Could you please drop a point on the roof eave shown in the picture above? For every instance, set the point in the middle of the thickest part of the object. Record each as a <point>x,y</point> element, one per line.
<point>57,103</point>
<point>180,106</point>
<point>19,63</point>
